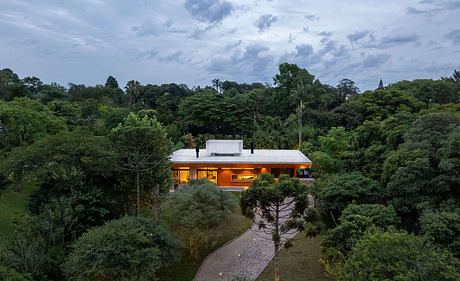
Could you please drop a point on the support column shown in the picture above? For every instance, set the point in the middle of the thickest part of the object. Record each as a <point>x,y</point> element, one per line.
<point>193,173</point>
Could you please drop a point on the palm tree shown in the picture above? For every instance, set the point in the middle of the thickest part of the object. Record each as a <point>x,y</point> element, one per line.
<point>134,90</point>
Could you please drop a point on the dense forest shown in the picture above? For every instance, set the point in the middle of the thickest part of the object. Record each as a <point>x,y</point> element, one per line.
<point>386,164</point>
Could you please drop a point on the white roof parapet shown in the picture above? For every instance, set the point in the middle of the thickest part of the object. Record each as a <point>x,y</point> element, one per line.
<point>226,147</point>
<point>260,156</point>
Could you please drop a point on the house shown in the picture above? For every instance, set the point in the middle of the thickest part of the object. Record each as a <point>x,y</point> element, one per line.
<point>231,167</point>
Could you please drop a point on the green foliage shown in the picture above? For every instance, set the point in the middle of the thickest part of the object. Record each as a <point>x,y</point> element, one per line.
<point>111,82</point>
<point>37,248</point>
<point>348,188</point>
<point>380,215</point>
<point>125,249</point>
<point>198,207</point>
<point>9,274</point>
<point>442,226</point>
<point>397,256</point>
<point>337,242</point>
<point>26,121</point>
<point>334,151</point>
<point>430,131</point>
<point>383,103</point>
<point>429,91</point>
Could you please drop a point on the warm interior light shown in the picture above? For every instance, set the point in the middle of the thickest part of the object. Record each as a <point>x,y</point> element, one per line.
<point>237,168</point>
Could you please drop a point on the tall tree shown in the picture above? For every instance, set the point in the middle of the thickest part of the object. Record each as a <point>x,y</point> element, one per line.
<point>280,205</point>
<point>381,84</point>
<point>217,85</point>
<point>111,82</point>
<point>300,92</point>
<point>347,88</point>
<point>134,90</point>
<point>142,145</point>
<point>456,77</point>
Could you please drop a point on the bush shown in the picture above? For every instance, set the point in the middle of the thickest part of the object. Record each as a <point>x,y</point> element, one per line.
<point>125,249</point>
<point>198,207</point>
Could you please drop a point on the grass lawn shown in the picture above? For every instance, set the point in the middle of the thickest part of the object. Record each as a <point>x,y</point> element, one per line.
<point>185,269</point>
<point>299,262</point>
<point>12,203</point>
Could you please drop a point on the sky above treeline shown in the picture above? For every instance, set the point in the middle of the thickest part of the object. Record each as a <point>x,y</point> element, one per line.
<point>194,41</point>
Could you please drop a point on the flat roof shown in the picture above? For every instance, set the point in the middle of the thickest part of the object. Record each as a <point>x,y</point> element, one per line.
<point>260,156</point>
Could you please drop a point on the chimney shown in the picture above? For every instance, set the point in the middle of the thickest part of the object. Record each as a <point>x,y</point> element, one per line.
<point>252,148</point>
<point>197,152</point>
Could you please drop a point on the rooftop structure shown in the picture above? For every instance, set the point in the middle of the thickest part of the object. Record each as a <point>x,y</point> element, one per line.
<point>226,163</point>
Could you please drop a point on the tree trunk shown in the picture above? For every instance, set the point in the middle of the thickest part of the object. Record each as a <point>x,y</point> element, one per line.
<point>138,195</point>
<point>277,242</point>
<point>299,122</point>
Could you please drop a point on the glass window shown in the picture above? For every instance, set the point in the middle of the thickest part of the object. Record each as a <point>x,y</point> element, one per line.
<point>276,172</point>
<point>210,175</point>
<point>243,178</point>
<point>181,176</point>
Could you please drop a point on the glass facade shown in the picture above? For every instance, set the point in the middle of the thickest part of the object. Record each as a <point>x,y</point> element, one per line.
<point>209,173</point>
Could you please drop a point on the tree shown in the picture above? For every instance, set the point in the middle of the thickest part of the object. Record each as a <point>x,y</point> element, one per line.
<point>134,90</point>
<point>111,82</point>
<point>142,145</point>
<point>348,188</point>
<point>199,207</point>
<point>397,256</point>
<point>33,83</point>
<point>128,249</point>
<point>442,226</point>
<point>346,89</point>
<point>380,85</point>
<point>280,205</point>
<point>456,77</point>
<point>217,85</point>
<point>37,245</point>
<point>26,121</point>
<point>301,91</point>
<point>379,215</point>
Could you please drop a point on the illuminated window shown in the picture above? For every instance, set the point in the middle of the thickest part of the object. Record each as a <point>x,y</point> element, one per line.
<point>208,173</point>
<point>181,176</point>
<point>243,178</point>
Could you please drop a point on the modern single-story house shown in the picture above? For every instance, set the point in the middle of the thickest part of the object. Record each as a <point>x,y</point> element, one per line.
<point>231,167</point>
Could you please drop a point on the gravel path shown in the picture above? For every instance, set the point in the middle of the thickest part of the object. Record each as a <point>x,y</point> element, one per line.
<point>243,258</point>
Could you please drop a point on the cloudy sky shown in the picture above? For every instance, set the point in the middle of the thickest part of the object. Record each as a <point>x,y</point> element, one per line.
<point>195,41</point>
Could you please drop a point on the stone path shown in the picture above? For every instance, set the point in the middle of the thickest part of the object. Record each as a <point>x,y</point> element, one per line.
<point>243,258</point>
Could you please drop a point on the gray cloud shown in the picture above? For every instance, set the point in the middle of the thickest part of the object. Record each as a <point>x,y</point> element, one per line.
<point>211,11</point>
<point>264,22</point>
<point>439,7</point>
<point>454,36</point>
<point>325,33</point>
<point>156,42</point>
<point>311,17</point>
<point>368,40</point>
<point>399,39</point>
<point>305,55</point>
<point>415,11</point>
<point>375,60</point>
<point>357,35</point>
<point>250,63</point>
<point>155,28</point>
